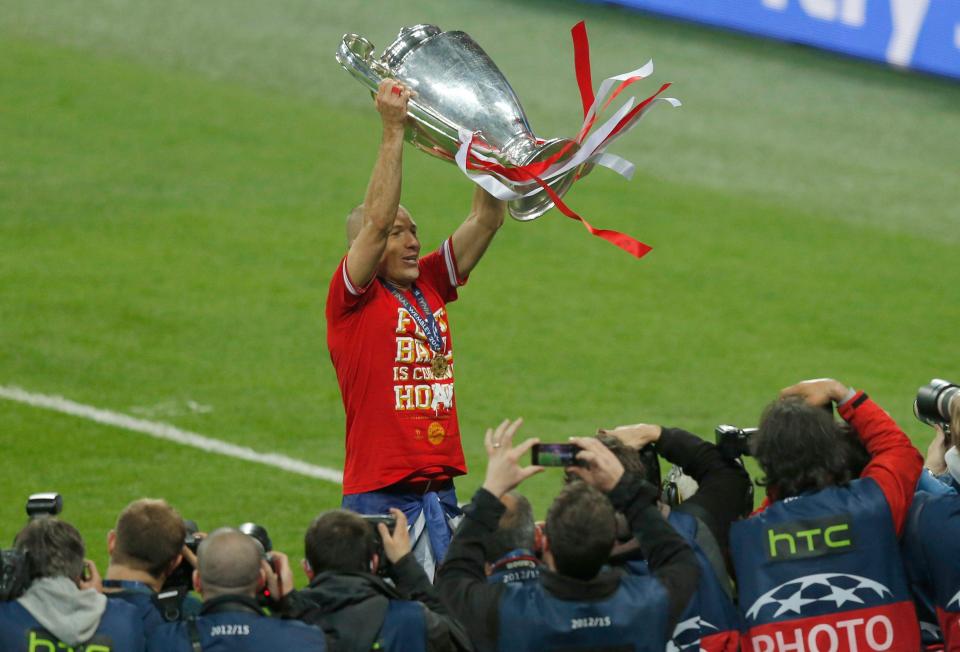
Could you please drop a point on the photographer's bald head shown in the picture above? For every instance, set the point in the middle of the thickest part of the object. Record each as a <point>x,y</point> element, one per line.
<point>229,563</point>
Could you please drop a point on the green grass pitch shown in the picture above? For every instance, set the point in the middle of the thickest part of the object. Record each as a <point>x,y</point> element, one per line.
<point>174,178</point>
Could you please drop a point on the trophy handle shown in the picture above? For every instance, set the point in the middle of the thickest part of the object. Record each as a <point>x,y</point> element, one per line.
<point>355,54</point>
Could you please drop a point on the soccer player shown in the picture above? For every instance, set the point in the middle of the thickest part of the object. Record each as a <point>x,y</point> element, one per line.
<point>389,338</point>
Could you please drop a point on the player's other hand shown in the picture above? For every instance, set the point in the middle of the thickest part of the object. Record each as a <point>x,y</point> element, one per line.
<point>391,100</point>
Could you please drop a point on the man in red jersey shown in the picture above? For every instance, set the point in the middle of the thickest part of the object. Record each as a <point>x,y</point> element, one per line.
<point>389,339</point>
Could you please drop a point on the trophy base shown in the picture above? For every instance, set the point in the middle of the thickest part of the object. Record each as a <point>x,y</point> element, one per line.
<point>532,207</point>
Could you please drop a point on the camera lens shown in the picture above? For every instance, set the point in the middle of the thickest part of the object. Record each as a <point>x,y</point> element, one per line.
<point>943,402</point>
<point>932,405</point>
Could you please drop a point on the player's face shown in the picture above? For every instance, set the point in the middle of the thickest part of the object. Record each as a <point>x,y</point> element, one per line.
<point>399,262</point>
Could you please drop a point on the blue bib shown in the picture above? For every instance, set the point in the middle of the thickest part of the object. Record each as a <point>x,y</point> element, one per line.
<point>823,567</point>
<point>633,618</point>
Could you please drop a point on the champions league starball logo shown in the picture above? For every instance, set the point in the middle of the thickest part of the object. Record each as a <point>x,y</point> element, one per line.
<point>955,600</point>
<point>835,590</point>
<point>686,635</point>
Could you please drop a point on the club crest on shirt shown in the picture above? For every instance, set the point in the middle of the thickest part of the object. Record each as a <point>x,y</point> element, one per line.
<point>436,433</point>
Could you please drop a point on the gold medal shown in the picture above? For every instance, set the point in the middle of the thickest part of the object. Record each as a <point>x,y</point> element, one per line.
<point>439,366</point>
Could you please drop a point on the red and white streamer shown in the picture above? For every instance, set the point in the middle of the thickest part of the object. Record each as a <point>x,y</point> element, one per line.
<point>482,165</point>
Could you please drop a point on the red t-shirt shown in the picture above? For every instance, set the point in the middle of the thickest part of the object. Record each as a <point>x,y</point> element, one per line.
<point>401,421</point>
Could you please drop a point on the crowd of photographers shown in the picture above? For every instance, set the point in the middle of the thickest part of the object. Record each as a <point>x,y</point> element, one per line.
<point>853,548</point>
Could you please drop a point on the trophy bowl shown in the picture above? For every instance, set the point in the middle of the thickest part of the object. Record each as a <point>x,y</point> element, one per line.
<point>459,87</point>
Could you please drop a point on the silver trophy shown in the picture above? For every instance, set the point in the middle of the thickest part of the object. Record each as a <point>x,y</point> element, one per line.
<point>459,86</point>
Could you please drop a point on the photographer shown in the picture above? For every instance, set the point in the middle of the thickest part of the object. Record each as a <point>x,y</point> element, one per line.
<point>511,555</point>
<point>710,620</point>
<point>821,561</point>
<point>145,548</point>
<point>231,572</point>
<point>574,604</point>
<point>723,484</point>
<point>62,608</point>
<point>929,549</point>
<point>355,607</point>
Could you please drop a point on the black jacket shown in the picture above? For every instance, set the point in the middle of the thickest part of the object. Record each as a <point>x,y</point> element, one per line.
<point>462,581</point>
<point>351,607</point>
<point>724,484</point>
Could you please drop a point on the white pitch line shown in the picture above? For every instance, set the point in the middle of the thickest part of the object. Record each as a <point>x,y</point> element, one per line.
<point>167,432</point>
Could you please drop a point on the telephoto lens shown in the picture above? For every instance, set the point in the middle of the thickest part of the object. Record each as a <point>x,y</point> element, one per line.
<point>259,534</point>
<point>932,405</point>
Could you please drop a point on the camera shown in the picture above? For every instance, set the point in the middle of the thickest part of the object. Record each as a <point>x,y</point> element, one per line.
<point>15,564</point>
<point>734,442</point>
<point>373,520</point>
<point>651,465</point>
<point>14,574</point>
<point>259,534</point>
<point>180,582</point>
<point>932,405</point>
<point>181,579</point>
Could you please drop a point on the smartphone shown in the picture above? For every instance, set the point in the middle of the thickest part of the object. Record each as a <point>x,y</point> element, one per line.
<point>554,455</point>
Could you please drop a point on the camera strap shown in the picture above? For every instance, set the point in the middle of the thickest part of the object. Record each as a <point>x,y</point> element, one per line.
<point>170,604</point>
<point>194,630</point>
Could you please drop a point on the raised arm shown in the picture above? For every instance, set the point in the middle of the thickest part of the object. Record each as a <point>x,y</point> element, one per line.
<point>669,557</point>
<point>472,238</point>
<point>895,463</point>
<point>461,579</point>
<point>368,232</point>
<point>722,484</point>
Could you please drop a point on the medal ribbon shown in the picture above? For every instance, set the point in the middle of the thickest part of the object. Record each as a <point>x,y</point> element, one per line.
<point>426,322</point>
<point>510,182</point>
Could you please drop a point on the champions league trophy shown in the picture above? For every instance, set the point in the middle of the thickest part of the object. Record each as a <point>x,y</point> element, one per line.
<point>459,89</point>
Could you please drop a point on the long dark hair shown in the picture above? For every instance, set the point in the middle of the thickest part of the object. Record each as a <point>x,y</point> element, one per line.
<point>801,448</point>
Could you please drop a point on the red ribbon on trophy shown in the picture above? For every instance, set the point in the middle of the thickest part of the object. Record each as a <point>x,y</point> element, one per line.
<point>509,182</point>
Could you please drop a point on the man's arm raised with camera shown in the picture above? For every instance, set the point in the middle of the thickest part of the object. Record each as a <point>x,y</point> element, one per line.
<point>669,557</point>
<point>722,484</point>
<point>412,583</point>
<point>411,580</point>
<point>466,554</point>
<point>895,462</point>
<point>461,579</point>
<point>369,231</point>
